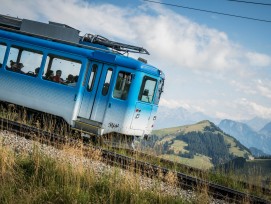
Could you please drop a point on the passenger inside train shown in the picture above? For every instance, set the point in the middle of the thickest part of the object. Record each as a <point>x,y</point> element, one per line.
<point>37,71</point>
<point>75,79</point>
<point>57,78</point>
<point>69,79</point>
<point>49,75</point>
<point>16,67</point>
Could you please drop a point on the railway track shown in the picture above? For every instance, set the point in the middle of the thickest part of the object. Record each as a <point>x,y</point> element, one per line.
<point>125,162</point>
<point>188,169</point>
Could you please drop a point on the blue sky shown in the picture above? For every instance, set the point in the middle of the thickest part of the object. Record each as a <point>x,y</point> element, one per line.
<point>218,65</point>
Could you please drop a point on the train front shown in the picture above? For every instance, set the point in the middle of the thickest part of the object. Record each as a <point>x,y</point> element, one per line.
<point>146,106</point>
<point>136,113</point>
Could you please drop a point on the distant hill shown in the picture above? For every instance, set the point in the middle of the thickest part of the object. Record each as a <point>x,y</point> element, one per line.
<point>246,135</point>
<point>266,130</point>
<point>256,152</point>
<point>201,145</point>
<point>257,123</point>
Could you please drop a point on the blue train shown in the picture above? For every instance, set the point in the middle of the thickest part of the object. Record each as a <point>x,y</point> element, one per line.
<point>86,80</point>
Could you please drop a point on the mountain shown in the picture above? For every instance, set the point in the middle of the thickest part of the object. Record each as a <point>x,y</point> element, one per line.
<point>172,117</point>
<point>266,130</point>
<point>256,152</point>
<point>202,145</point>
<point>246,135</point>
<point>257,123</point>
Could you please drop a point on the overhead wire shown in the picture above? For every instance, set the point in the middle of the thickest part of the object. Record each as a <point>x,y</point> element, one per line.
<point>209,11</point>
<point>251,2</point>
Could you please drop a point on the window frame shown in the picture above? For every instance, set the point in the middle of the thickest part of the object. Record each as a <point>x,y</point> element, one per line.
<point>21,49</point>
<point>93,78</point>
<point>142,88</point>
<point>50,56</point>
<point>105,88</point>
<point>160,90</point>
<point>131,77</point>
<point>4,56</point>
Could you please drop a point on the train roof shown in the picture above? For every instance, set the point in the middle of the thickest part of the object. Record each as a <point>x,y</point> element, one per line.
<point>63,37</point>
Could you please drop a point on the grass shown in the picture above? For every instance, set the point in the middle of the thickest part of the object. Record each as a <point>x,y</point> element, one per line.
<point>257,172</point>
<point>232,178</point>
<point>233,149</point>
<point>37,178</point>
<point>178,146</point>
<point>199,161</point>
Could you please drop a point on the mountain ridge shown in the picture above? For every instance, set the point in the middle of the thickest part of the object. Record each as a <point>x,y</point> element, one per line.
<point>256,123</point>
<point>246,135</point>
<point>202,145</point>
<point>266,130</point>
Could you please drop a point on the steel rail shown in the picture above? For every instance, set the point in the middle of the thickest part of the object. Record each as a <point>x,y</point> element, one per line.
<point>125,162</point>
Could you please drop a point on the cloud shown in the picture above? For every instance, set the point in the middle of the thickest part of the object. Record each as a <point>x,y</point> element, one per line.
<point>258,59</point>
<point>171,103</point>
<point>87,17</point>
<point>264,88</point>
<point>254,108</point>
<point>244,87</point>
<point>258,87</point>
<point>184,43</point>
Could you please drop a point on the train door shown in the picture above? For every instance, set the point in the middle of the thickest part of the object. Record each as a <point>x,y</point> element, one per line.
<point>144,106</point>
<point>95,93</point>
<point>102,95</point>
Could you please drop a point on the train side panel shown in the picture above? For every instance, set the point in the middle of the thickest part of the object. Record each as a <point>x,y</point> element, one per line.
<point>37,93</point>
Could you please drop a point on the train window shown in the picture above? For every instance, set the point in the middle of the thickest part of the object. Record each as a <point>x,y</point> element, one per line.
<point>147,89</point>
<point>62,70</point>
<point>107,81</point>
<point>160,91</point>
<point>24,61</point>
<point>122,86</point>
<point>12,58</point>
<point>2,53</point>
<point>92,77</point>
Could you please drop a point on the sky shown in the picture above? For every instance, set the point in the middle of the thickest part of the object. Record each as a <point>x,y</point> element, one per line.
<point>214,64</point>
